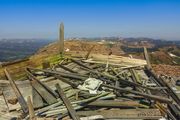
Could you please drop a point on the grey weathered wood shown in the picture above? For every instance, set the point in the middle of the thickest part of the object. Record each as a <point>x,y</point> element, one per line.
<point>66,68</point>
<point>37,99</point>
<point>63,74</point>
<point>73,84</point>
<point>162,83</point>
<point>152,114</point>
<point>57,111</point>
<point>32,77</point>
<point>165,111</point>
<point>169,91</point>
<point>55,104</point>
<point>48,97</point>
<point>80,64</point>
<point>120,79</point>
<point>115,103</point>
<point>67,103</point>
<point>154,97</point>
<point>146,56</point>
<point>19,96</point>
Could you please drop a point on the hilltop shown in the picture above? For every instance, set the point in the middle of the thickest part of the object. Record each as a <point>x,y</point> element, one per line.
<point>165,59</point>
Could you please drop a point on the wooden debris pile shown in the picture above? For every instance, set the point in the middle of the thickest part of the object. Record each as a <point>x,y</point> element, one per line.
<point>81,89</point>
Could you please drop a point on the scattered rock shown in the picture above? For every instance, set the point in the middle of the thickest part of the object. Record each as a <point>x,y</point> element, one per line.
<point>13,101</point>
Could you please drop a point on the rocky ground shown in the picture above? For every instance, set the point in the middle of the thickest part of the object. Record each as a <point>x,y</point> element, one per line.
<point>169,70</point>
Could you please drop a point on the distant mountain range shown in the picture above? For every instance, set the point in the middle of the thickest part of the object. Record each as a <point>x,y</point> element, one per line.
<point>122,38</point>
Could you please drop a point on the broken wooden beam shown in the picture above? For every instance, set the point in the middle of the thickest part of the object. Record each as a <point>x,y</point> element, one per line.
<point>80,104</point>
<point>48,97</point>
<point>33,78</point>
<point>67,103</point>
<point>73,84</point>
<point>66,68</point>
<point>162,83</point>
<point>89,51</point>
<point>44,91</point>
<point>44,109</point>
<point>153,97</point>
<point>17,92</point>
<point>146,56</point>
<point>37,99</point>
<point>31,109</point>
<point>80,64</point>
<point>135,76</point>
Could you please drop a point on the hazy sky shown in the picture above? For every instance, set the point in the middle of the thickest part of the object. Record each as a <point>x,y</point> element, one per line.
<point>90,18</point>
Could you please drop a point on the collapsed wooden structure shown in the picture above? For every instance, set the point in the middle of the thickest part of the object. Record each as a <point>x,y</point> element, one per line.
<point>103,87</point>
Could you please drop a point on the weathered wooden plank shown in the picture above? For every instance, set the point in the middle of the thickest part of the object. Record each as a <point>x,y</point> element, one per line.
<point>116,60</point>
<point>73,84</point>
<point>80,64</point>
<point>19,96</point>
<point>37,99</point>
<point>146,56</point>
<point>154,97</point>
<point>32,77</point>
<point>69,94</point>
<point>162,83</point>
<point>67,103</point>
<point>135,76</point>
<point>57,111</point>
<point>120,79</point>
<point>125,113</point>
<point>175,111</point>
<point>66,68</point>
<point>67,75</point>
<point>115,103</point>
<point>94,117</point>
<point>31,109</point>
<point>48,97</point>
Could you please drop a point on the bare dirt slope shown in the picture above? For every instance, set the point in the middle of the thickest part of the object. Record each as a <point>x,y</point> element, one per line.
<point>83,46</point>
<point>169,70</point>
